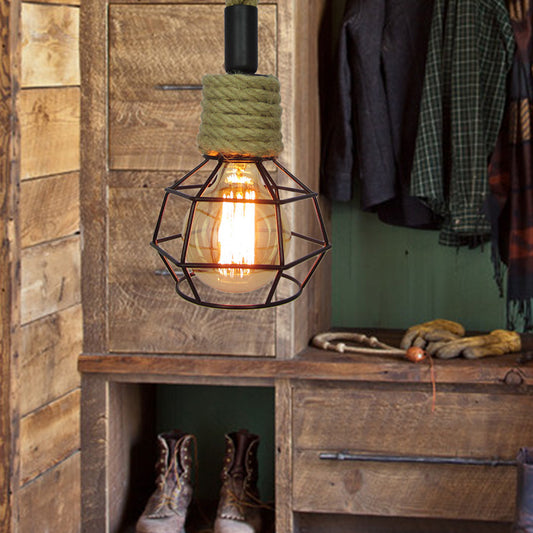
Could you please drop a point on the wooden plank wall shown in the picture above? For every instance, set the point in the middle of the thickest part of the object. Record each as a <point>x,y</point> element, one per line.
<point>48,107</point>
<point>9,260</point>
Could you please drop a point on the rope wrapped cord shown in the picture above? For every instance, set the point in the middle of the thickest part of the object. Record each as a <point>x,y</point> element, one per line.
<point>241,115</point>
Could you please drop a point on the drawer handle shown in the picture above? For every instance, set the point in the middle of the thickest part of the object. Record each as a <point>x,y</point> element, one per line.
<point>168,87</point>
<point>161,272</point>
<point>344,456</point>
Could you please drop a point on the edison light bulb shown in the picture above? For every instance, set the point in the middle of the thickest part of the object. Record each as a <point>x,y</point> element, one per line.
<point>236,233</point>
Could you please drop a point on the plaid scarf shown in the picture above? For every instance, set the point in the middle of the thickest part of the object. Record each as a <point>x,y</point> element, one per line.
<point>510,204</point>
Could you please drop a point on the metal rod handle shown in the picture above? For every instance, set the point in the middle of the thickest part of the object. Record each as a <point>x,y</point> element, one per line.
<point>420,459</point>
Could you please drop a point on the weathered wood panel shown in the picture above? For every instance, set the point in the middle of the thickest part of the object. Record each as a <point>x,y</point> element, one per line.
<point>50,131</point>
<point>145,314</point>
<point>399,421</point>
<point>52,502</point>
<point>159,45</point>
<point>49,208</point>
<point>50,51</point>
<point>48,358</point>
<point>320,523</point>
<point>386,489</point>
<point>49,435</point>
<point>95,439</point>
<point>93,46</point>
<point>50,278</point>
<point>131,447</point>
<point>66,2</point>
<point>9,263</point>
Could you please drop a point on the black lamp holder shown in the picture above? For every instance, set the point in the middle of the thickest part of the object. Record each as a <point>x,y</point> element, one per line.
<point>240,39</point>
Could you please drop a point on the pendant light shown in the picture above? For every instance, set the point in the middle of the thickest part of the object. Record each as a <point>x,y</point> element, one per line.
<point>231,239</point>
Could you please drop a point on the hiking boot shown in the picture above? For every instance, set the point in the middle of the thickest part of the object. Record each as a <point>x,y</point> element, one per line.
<point>166,509</point>
<point>239,505</point>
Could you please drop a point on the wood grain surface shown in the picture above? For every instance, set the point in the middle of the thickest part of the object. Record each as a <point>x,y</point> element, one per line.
<point>54,498</point>
<point>154,45</point>
<point>49,208</point>
<point>93,210</point>
<point>9,263</point>
<point>319,523</point>
<point>145,314</point>
<point>50,131</point>
<point>399,421</point>
<point>438,491</point>
<point>50,51</point>
<point>50,278</point>
<point>49,435</point>
<point>48,358</point>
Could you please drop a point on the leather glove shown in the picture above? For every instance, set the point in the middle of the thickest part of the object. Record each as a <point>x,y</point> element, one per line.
<point>497,342</point>
<point>439,330</point>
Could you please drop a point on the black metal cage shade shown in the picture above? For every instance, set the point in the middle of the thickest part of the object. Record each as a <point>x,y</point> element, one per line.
<point>192,193</point>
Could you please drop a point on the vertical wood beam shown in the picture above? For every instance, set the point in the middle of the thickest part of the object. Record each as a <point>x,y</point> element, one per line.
<point>283,444</point>
<point>9,260</point>
<point>94,464</point>
<point>93,59</point>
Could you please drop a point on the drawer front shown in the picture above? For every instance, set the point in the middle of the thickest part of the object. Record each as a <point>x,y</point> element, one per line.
<point>399,421</point>
<point>155,45</point>
<point>402,489</point>
<point>144,312</point>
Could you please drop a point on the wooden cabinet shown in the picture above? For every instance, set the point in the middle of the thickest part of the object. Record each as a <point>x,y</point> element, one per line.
<point>142,65</point>
<point>357,446</point>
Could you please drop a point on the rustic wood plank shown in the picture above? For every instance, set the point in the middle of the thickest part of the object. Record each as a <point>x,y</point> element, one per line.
<point>94,438</point>
<point>318,523</point>
<point>50,51</point>
<point>65,2</point>
<point>140,299</point>
<point>49,208</point>
<point>50,278</point>
<point>49,435</point>
<point>321,365</point>
<point>9,263</point>
<point>399,421</point>
<point>48,358</point>
<point>53,500</point>
<point>93,43</point>
<point>284,466</point>
<point>132,438</point>
<point>143,43</point>
<point>50,131</point>
<point>438,491</point>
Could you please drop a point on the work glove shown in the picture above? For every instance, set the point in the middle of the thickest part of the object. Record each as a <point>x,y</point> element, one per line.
<point>438,330</point>
<point>445,339</point>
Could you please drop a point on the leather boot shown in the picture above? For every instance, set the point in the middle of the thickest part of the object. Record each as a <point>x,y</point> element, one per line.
<point>524,492</point>
<point>166,509</point>
<point>239,505</point>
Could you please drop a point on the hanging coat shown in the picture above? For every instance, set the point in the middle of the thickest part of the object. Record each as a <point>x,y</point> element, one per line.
<point>370,133</point>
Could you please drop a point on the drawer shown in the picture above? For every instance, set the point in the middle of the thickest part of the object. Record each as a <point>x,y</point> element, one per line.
<point>398,420</point>
<point>402,489</point>
<point>409,472</point>
<point>154,45</point>
<point>145,315</point>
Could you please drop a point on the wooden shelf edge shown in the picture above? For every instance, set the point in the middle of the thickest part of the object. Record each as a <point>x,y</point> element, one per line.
<point>311,364</point>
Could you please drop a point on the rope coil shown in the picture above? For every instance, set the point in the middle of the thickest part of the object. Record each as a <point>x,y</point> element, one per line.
<point>241,115</point>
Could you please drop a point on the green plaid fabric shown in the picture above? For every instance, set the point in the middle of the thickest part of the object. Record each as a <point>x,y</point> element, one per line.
<point>470,51</point>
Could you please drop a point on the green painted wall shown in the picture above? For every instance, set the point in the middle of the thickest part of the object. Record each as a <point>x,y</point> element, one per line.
<point>391,277</point>
<point>209,412</point>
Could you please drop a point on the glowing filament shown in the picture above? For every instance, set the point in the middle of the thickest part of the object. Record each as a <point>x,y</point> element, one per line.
<point>236,234</point>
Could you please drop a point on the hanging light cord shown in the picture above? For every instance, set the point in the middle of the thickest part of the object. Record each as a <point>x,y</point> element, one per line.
<point>241,115</point>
